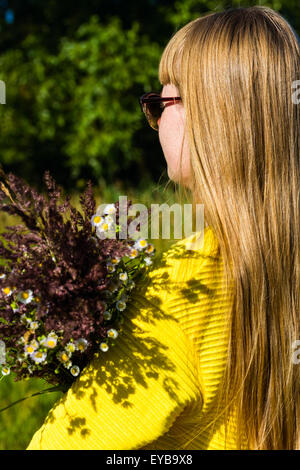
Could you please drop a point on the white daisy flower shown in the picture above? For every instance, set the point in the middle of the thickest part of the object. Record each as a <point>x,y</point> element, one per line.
<point>105,226</point>
<point>115,260</point>
<point>150,249</point>
<point>107,315</point>
<point>81,344</point>
<point>49,342</point>
<point>68,364</point>
<point>110,267</point>
<point>123,276</point>
<point>104,347</point>
<point>140,244</point>
<point>28,349</point>
<point>34,325</point>
<point>26,296</point>
<point>38,356</point>
<point>97,220</point>
<point>7,291</point>
<point>133,253</point>
<point>75,370</point>
<point>31,347</point>
<point>120,305</point>
<point>70,347</point>
<point>2,276</point>
<point>63,356</point>
<point>109,209</point>
<point>148,261</point>
<point>112,333</point>
<point>5,370</point>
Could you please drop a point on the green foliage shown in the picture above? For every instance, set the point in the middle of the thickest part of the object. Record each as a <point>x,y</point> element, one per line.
<point>19,423</point>
<point>81,104</point>
<point>183,12</point>
<point>109,66</point>
<point>73,86</point>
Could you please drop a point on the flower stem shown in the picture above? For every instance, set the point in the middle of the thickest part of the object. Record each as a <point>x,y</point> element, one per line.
<point>41,392</point>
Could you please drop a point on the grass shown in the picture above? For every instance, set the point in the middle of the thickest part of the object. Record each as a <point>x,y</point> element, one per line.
<point>18,424</point>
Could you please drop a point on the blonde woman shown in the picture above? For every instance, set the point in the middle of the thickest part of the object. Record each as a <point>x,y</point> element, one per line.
<point>206,359</point>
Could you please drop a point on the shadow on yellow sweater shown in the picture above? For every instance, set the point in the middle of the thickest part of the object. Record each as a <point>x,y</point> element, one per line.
<point>157,387</point>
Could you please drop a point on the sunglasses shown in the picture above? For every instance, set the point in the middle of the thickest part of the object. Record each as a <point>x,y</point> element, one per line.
<point>152,104</point>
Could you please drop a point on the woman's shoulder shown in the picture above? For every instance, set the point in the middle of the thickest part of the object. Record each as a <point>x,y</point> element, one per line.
<point>176,270</point>
<point>198,245</point>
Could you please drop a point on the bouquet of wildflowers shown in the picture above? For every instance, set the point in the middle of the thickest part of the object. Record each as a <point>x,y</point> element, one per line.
<point>64,280</point>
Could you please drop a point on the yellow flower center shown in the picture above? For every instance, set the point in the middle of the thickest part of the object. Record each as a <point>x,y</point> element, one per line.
<point>97,219</point>
<point>25,295</point>
<point>104,226</point>
<point>64,357</point>
<point>51,343</point>
<point>6,290</point>
<point>143,243</point>
<point>30,349</point>
<point>37,299</point>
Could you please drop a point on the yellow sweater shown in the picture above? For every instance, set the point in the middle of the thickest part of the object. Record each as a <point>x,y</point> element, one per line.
<point>157,387</point>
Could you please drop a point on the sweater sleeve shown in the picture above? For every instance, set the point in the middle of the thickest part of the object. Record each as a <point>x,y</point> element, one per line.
<point>130,395</point>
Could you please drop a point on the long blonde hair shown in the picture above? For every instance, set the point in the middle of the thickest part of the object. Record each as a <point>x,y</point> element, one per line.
<point>234,71</point>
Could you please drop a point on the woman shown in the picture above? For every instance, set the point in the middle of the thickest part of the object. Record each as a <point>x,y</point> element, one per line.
<point>205,358</point>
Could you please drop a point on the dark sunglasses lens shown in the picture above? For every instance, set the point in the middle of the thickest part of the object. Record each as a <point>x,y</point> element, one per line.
<point>152,109</point>
<point>153,112</point>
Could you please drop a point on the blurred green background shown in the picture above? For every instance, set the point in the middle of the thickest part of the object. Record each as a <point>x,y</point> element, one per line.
<point>73,73</point>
